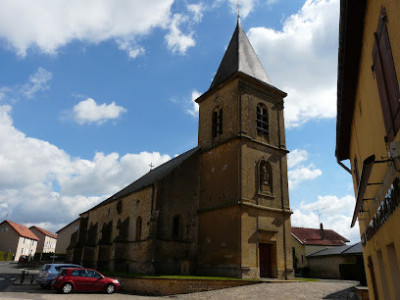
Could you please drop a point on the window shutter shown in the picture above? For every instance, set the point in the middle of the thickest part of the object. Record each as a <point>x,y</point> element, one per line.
<point>386,78</point>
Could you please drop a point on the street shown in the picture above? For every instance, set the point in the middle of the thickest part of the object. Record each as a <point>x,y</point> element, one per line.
<point>10,288</point>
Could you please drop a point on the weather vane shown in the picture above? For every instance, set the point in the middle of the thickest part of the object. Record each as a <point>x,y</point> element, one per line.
<point>238,9</point>
<point>151,166</point>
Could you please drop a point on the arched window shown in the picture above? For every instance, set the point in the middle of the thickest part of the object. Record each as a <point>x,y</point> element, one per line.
<point>262,120</point>
<point>138,228</point>
<point>217,122</point>
<point>177,228</point>
<point>265,176</point>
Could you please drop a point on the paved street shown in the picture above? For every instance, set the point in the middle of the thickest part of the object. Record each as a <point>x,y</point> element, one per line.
<point>323,289</point>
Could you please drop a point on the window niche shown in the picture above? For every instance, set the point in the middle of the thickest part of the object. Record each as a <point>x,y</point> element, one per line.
<point>265,178</point>
<point>177,230</point>
<point>138,229</point>
<point>217,122</point>
<point>262,121</point>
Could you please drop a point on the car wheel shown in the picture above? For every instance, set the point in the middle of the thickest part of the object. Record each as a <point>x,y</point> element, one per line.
<point>66,288</point>
<point>110,289</point>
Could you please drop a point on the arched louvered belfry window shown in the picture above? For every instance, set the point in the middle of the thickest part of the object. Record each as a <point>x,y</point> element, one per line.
<point>265,176</point>
<point>262,121</point>
<point>138,228</point>
<point>177,230</point>
<point>217,122</point>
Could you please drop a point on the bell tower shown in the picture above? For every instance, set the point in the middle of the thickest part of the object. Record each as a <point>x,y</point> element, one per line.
<point>244,213</point>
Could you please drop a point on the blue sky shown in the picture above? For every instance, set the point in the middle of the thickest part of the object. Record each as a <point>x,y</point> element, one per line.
<point>92,92</point>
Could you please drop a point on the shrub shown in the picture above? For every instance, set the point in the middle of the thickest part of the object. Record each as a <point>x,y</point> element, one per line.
<point>10,256</point>
<point>2,256</point>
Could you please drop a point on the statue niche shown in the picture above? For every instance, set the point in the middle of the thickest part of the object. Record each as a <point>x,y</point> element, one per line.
<point>265,177</point>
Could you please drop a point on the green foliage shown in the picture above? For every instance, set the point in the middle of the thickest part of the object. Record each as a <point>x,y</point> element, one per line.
<point>10,255</point>
<point>2,256</point>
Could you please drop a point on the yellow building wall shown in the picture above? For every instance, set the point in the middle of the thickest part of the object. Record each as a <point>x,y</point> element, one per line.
<point>367,138</point>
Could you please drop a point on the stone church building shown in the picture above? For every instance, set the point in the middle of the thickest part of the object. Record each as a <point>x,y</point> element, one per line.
<point>221,208</point>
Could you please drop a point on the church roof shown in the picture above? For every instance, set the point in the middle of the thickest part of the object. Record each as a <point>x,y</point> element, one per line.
<point>150,177</point>
<point>240,57</point>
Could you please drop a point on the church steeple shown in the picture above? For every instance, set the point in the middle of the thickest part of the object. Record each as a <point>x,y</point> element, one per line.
<point>240,57</point>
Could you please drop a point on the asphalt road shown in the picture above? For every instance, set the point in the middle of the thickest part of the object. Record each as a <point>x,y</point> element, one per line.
<point>10,273</point>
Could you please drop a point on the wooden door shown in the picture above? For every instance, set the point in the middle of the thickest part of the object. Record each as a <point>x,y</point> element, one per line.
<point>265,260</point>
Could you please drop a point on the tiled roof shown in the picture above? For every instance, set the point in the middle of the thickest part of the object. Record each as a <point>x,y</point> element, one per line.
<point>45,232</point>
<point>22,230</point>
<point>313,236</point>
<point>341,250</point>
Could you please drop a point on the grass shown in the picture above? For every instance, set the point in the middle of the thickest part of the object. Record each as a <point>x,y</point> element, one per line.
<point>130,275</point>
<point>305,279</point>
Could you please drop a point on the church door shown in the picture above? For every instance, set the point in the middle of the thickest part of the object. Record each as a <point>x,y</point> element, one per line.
<point>265,260</point>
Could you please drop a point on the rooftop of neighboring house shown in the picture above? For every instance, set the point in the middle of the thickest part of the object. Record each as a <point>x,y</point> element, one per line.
<point>44,231</point>
<point>22,230</point>
<point>355,249</point>
<point>318,236</point>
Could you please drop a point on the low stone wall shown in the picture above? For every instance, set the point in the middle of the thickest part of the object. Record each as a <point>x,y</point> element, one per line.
<point>165,286</point>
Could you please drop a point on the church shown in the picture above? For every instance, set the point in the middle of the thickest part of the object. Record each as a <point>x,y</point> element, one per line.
<point>221,208</point>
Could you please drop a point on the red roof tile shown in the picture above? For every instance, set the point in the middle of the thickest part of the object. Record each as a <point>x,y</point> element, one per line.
<point>313,236</point>
<point>44,231</point>
<point>22,230</point>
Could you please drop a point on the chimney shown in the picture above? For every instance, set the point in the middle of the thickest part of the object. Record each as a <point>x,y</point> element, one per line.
<point>321,227</point>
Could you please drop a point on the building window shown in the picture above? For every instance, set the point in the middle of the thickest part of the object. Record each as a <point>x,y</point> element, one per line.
<point>22,250</point>
<point>177,228</point>
<point>386,78</point>
<point>265,176</point>
<point>138,228</point>
<point>217,122</point>
<point>262,120</point>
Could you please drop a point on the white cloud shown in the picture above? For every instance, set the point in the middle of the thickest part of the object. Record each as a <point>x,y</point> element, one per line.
<point>42,184</point>
<point>194,110</point>
<point>131,48</point>
<point>302,173</point>
<point>88,111</point>
<point>332,211</point>
<point>37,82</point>
<point>298,172</point>
<point>48,25</point>
<point>296,156</point>
<point>301,59</point>
<point>177,41</point>
<point>197,11</point>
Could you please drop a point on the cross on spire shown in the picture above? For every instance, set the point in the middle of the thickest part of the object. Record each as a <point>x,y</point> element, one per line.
<point>238,10</point>
<point>151,166</point>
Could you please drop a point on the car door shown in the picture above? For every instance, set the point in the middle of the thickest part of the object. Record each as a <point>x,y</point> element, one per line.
<point>96,280</point>
<point>80,279</point>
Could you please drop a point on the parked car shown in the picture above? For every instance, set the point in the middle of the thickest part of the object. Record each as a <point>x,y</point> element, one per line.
<point>76,279</point>
<point>50,271</point>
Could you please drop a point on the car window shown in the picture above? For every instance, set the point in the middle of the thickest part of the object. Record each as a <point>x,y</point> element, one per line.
<point>63,272</point>
<point>93,274</point>
<point>79,273</point>
<point>46,267</point>
<point>58,268</point>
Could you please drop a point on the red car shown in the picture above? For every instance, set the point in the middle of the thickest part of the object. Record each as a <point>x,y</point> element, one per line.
<point>75,279</point>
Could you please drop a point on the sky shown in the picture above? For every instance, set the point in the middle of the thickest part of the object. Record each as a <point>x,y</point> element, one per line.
<point>93,92</point>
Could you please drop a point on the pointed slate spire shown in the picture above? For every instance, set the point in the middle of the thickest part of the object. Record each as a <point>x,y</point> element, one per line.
<point>240,57</point>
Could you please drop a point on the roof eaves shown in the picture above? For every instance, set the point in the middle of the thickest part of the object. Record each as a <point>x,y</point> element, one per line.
<point>351,27</point>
